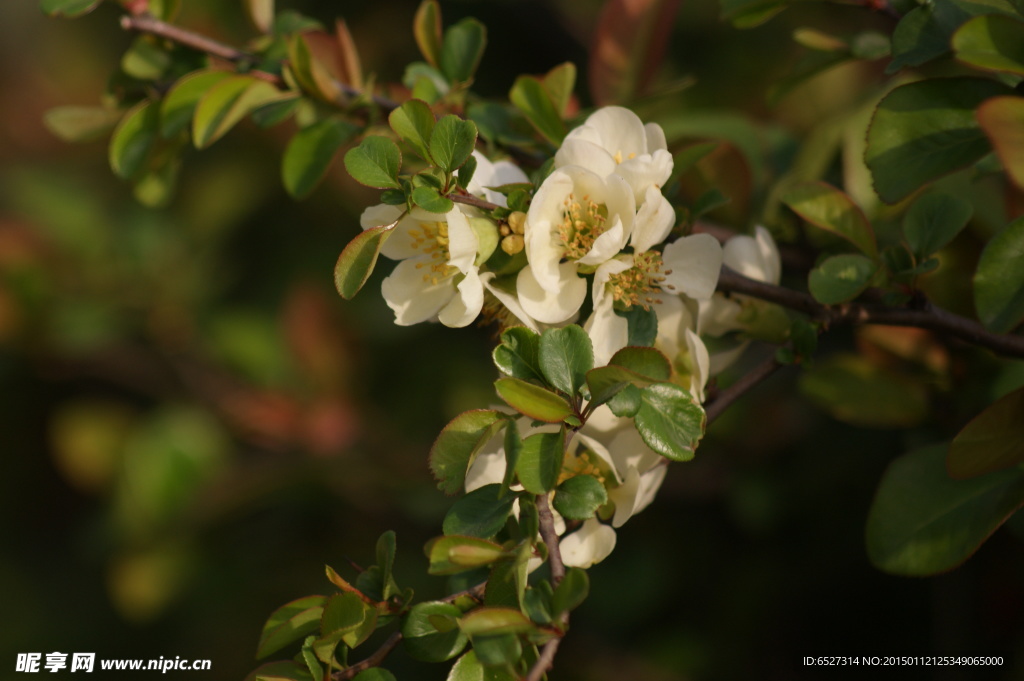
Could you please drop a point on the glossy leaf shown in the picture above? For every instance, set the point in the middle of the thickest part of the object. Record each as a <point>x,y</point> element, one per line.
<point>461,50</point>
<point>669,420</point>
<point>856,391</point>
<point>414,123</point>
<point>491,621</point>
<point>532,400</point>
<point>841,278</point>
<point>375,163</point>
<point>289,623</point>
<point>607,382</point>
<point>458,443</point>
<point>924,33</point>
<point>646,362</point>
<point>347,618</point>
<point>68,8</point>
<point>530,97</point>
<point>571,591</point>
<point>481,513</point>
<point>628,46</point>
<point>427,30</point>
<point>225,104</point>
<point>421,638</point>
<point>540,461</point>
<point>145,59</point>
<point>559,83</point>
<point>310,153</point>
<point>467,668</point>
<point>579,497</point>
<point>642,326</point>
<point>386,548</point>
<point>179,105</point>
<point>311,74</point>
<point>828,208</point>
<point>517,355</point>
<point>991,42</point>
<point>452,142</point>
<point>80,123</point>
<point>999,280</point>
<point>1002,119</point>
<point>925,130</point>
<point>357,260</point>
<point>923,522</point>
<point>430,200</point>
<point>452,554</point>
<point>565,356</point>
<point>933,221</point>
<point>375,674</point>
<point>992,441</point>
<point>133,139</point>
<point>499,651</point>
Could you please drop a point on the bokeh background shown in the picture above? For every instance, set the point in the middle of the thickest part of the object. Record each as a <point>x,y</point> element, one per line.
<point>193,423</point>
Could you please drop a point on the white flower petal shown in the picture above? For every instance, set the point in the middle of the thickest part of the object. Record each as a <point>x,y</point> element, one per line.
<point>509,300</point>
<point>466,305</point>
<point>462,242</point>
<point>551,307</point>
<point>605,246</point>
<point>655,138</point>
<point>598,450</point>
<point>487,468</point>
<point>620,130</point>
<point>645,172</point>
<point>769,255</point>
<point>588,545</point>
<point>586,154</point>
<point>412,298</point>
<point>653,222</point>
<point>695,263</point>
<point>701,363</point>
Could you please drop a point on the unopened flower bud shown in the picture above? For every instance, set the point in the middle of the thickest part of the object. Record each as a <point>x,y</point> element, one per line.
<point>517,221</point>
<point>513,244</point>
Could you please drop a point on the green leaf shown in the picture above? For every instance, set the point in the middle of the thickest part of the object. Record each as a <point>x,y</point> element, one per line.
<point>537,602</point>
<point>289,623</point>
<point>532,400</point>
<point>346,617</point>
<point>414,123</point>
<point>68,8</point>
<point>924,33</point>
<point>386,548</point>
<point>452,554</point>
<point>145,59</point>
<point>458,443</point>
<point>431,201</point>
<point>312,76</point>
<point>530,97</point>
<point>500,651</point>
<point>80,123</point>
<point>992,441</point>
<point>467,668</point>
<point>579,497</point>
<point>565,356</point>
<point>225,104</point>
<point>357,260</point>
<point>280,110</point>
<point>133,139</point>
<point>607,382</point>
<point>421,638</point>
<point>626,402</point>
<point>933,221</point>
<point>751,13</point>
<point>282,670</point>
<point>922,522</point>
<point>991,43</point>
<point>645,361</point>
<point>642,326</point>
<point>854,390</point>
<point>841,278</point>
<point>461,50</point>
<point>669,420</point>
<point>180,103</point>
<point>513,448</point>
<point>467,171</point>
<point>571,591</point>
<point>828,208</point>
<point>481,513</point>
<point>540,461</point>
<point>517,356</point>
<point>426,27</point>
<point>492,621</point>
<point>925,130</point>
<point>375,674</point>
<point>310,152</point>
<point>375,163</point>
<point>452,142</point>
<point>559,83</point>
<point>999,280</point>
<point>1002,119</point>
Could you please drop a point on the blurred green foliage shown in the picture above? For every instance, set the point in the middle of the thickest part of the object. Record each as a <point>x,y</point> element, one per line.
<point>194,422</point>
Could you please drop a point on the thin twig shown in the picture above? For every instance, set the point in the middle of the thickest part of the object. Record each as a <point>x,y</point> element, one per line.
<point>550,537</point>
<point>545,661</point>
<point>715,407</point>
<point>372,661</point>
<point>471,200</point>
<point>924,316</point>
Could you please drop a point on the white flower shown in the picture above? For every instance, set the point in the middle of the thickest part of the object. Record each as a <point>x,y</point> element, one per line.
<point>577,217</point>
<point>590,544</point>
<point>688,266</point>
<point>614,140</point>
<point>494,174</point>
<point>437,276</point>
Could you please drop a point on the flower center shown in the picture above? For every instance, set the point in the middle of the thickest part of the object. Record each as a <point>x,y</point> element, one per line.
<point>584,463</point>
<point>638,284</point>
<point>618,156</point>
<point>431,238</point>
<point>582,223</point>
